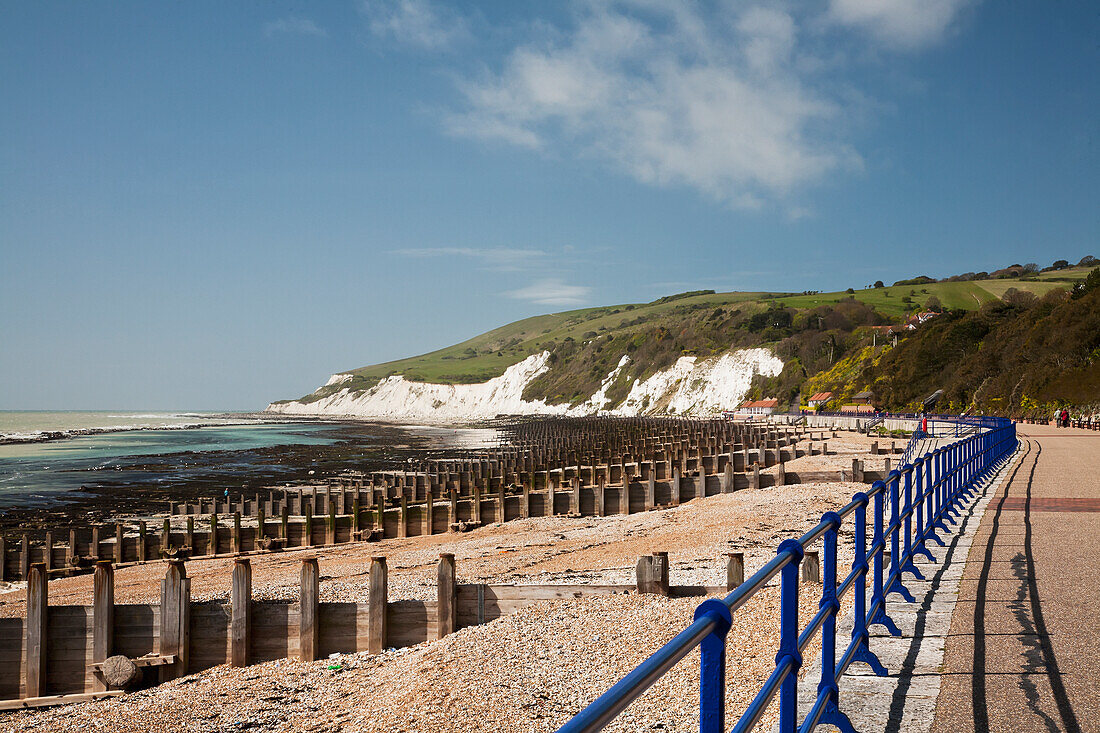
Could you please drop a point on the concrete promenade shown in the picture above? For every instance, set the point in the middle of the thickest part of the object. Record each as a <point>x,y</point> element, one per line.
<point>1023,650</point>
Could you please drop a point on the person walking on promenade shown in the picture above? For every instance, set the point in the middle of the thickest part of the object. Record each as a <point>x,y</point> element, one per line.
<point>1064,422</point>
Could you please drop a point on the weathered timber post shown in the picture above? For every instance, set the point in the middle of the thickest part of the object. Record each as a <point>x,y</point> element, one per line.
<point>35,631</point>
<point>235,536</point>
<point>447,610</point>
<point>143,542</point>
<point>755,476</point>
<point>3,558</point>
<point>120,550</point>
<point>403,524</point>
<point>261,526</point>
<point>357,511</point>
<point>93,550</point>
<point>575,505</point>
<point>501,506</point>
<point>330,523</point>
<point>526,501</point>
<point>782,478</point>
<point>601,489</point>
<point>307,541</point>
<point>191,535</point>
<point>735,569</point>
<point>308,604</point>
<point>103,618</point>
<point>284,524</point>
<point>452,512</point>
<point>676,487</point>
<point>165,537</point>
<point>651,488</point>
<point>70,552</point>
<point>212,549</point>
<point>624,497</point>
<point>376,605</point>
<point>727,479</point>
<point>240,626</point>
<point>811,567</point>
<point>857,470</point>
<point>175,621</point>
<point>652,573</point>
<point>701,482</point>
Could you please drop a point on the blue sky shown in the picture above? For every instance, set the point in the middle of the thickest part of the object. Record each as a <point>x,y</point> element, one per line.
<point>212,205</point>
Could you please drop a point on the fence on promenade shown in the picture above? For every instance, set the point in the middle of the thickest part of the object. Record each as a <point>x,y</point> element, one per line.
<point>903,513</point>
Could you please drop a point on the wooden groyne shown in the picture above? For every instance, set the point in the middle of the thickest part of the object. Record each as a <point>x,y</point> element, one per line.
<point>546,467</point>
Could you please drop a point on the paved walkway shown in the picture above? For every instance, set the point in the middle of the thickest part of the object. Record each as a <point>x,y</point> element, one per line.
<point>1023,650</point>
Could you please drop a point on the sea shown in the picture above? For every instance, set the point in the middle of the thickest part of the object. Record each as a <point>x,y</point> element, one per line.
<point>45,456</point>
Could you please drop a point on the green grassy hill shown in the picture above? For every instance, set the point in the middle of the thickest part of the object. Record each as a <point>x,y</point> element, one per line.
<point>809,331</point>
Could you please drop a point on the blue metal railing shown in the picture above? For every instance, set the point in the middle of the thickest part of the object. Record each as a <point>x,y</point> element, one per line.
<point>922,498</point>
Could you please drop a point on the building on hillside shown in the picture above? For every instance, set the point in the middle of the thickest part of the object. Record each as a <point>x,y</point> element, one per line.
<point>918,319</point>
<point>819,400</point>
<point>863,398</point>
<point>759,407</point>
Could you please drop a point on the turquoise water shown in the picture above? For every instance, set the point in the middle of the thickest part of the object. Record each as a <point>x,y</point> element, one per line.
<point>41,473</point>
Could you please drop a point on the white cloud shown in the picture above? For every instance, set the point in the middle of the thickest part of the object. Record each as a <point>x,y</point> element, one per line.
<point>418,23</point>
<point>497,258</point>
<point>293,26</point>
<point>552,291</point>
<point>671,95</point>
<point>907,24</point>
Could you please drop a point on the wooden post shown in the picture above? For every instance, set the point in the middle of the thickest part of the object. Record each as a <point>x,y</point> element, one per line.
<point>191,535</point>
<point>240,631</point>
<point>728,485</point>
<point>165,537</point>
<point>261,526</point>
<point>526,500</point>
<point>676,487</point>
<point>501,500</point>
<point>284,524</point>
<point>143,542</point>
<point>429,510</point>
<point>735,569</point>
<point>213,548</point>
<point>49,551</point>
<point>35,631</point>
<point>307,510</point>
<point>330,522</point>
<point>94,550</point>
<point>235,537</point>
<point>376,604</point>
<point>576,505</point>
<point>601,488</point>
<point>755,476</point>
<point>308,627</point>
<point>3,558</point>
<point>446,587</point>
<point>70,553</point>
<point>781,479</point>
<point>403,525</point>
<point>652,574</point>
<point>651,487</point>
<point>624,497</point>
<point>811,567</point>
<point>356,510</point>
<point>174,605</point>
<point>103,617</point>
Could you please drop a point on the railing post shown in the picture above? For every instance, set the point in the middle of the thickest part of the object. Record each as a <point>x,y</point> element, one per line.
<point>712,667</point>
<point>921,502</point>
<point>893,579</point>
<point>828,687</point>
<point>788,636</point>
<point>860,636</point>
<point>878,547</point>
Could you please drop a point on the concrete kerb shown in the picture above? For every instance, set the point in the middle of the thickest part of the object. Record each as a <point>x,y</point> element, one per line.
<point>905,701</point>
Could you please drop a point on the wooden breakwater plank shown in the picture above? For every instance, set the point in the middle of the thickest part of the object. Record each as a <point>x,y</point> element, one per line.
<point>38,702</point>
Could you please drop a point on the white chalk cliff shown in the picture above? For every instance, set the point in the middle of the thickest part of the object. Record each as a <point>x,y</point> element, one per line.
<point>692,386</point>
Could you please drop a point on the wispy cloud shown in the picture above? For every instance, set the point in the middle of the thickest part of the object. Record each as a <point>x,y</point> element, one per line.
<point>293,26</point>
<point>671,95</point>
<point>418,23</point>
<point>905,24</point>
<point>552,291</point>
<point>506,259</point>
